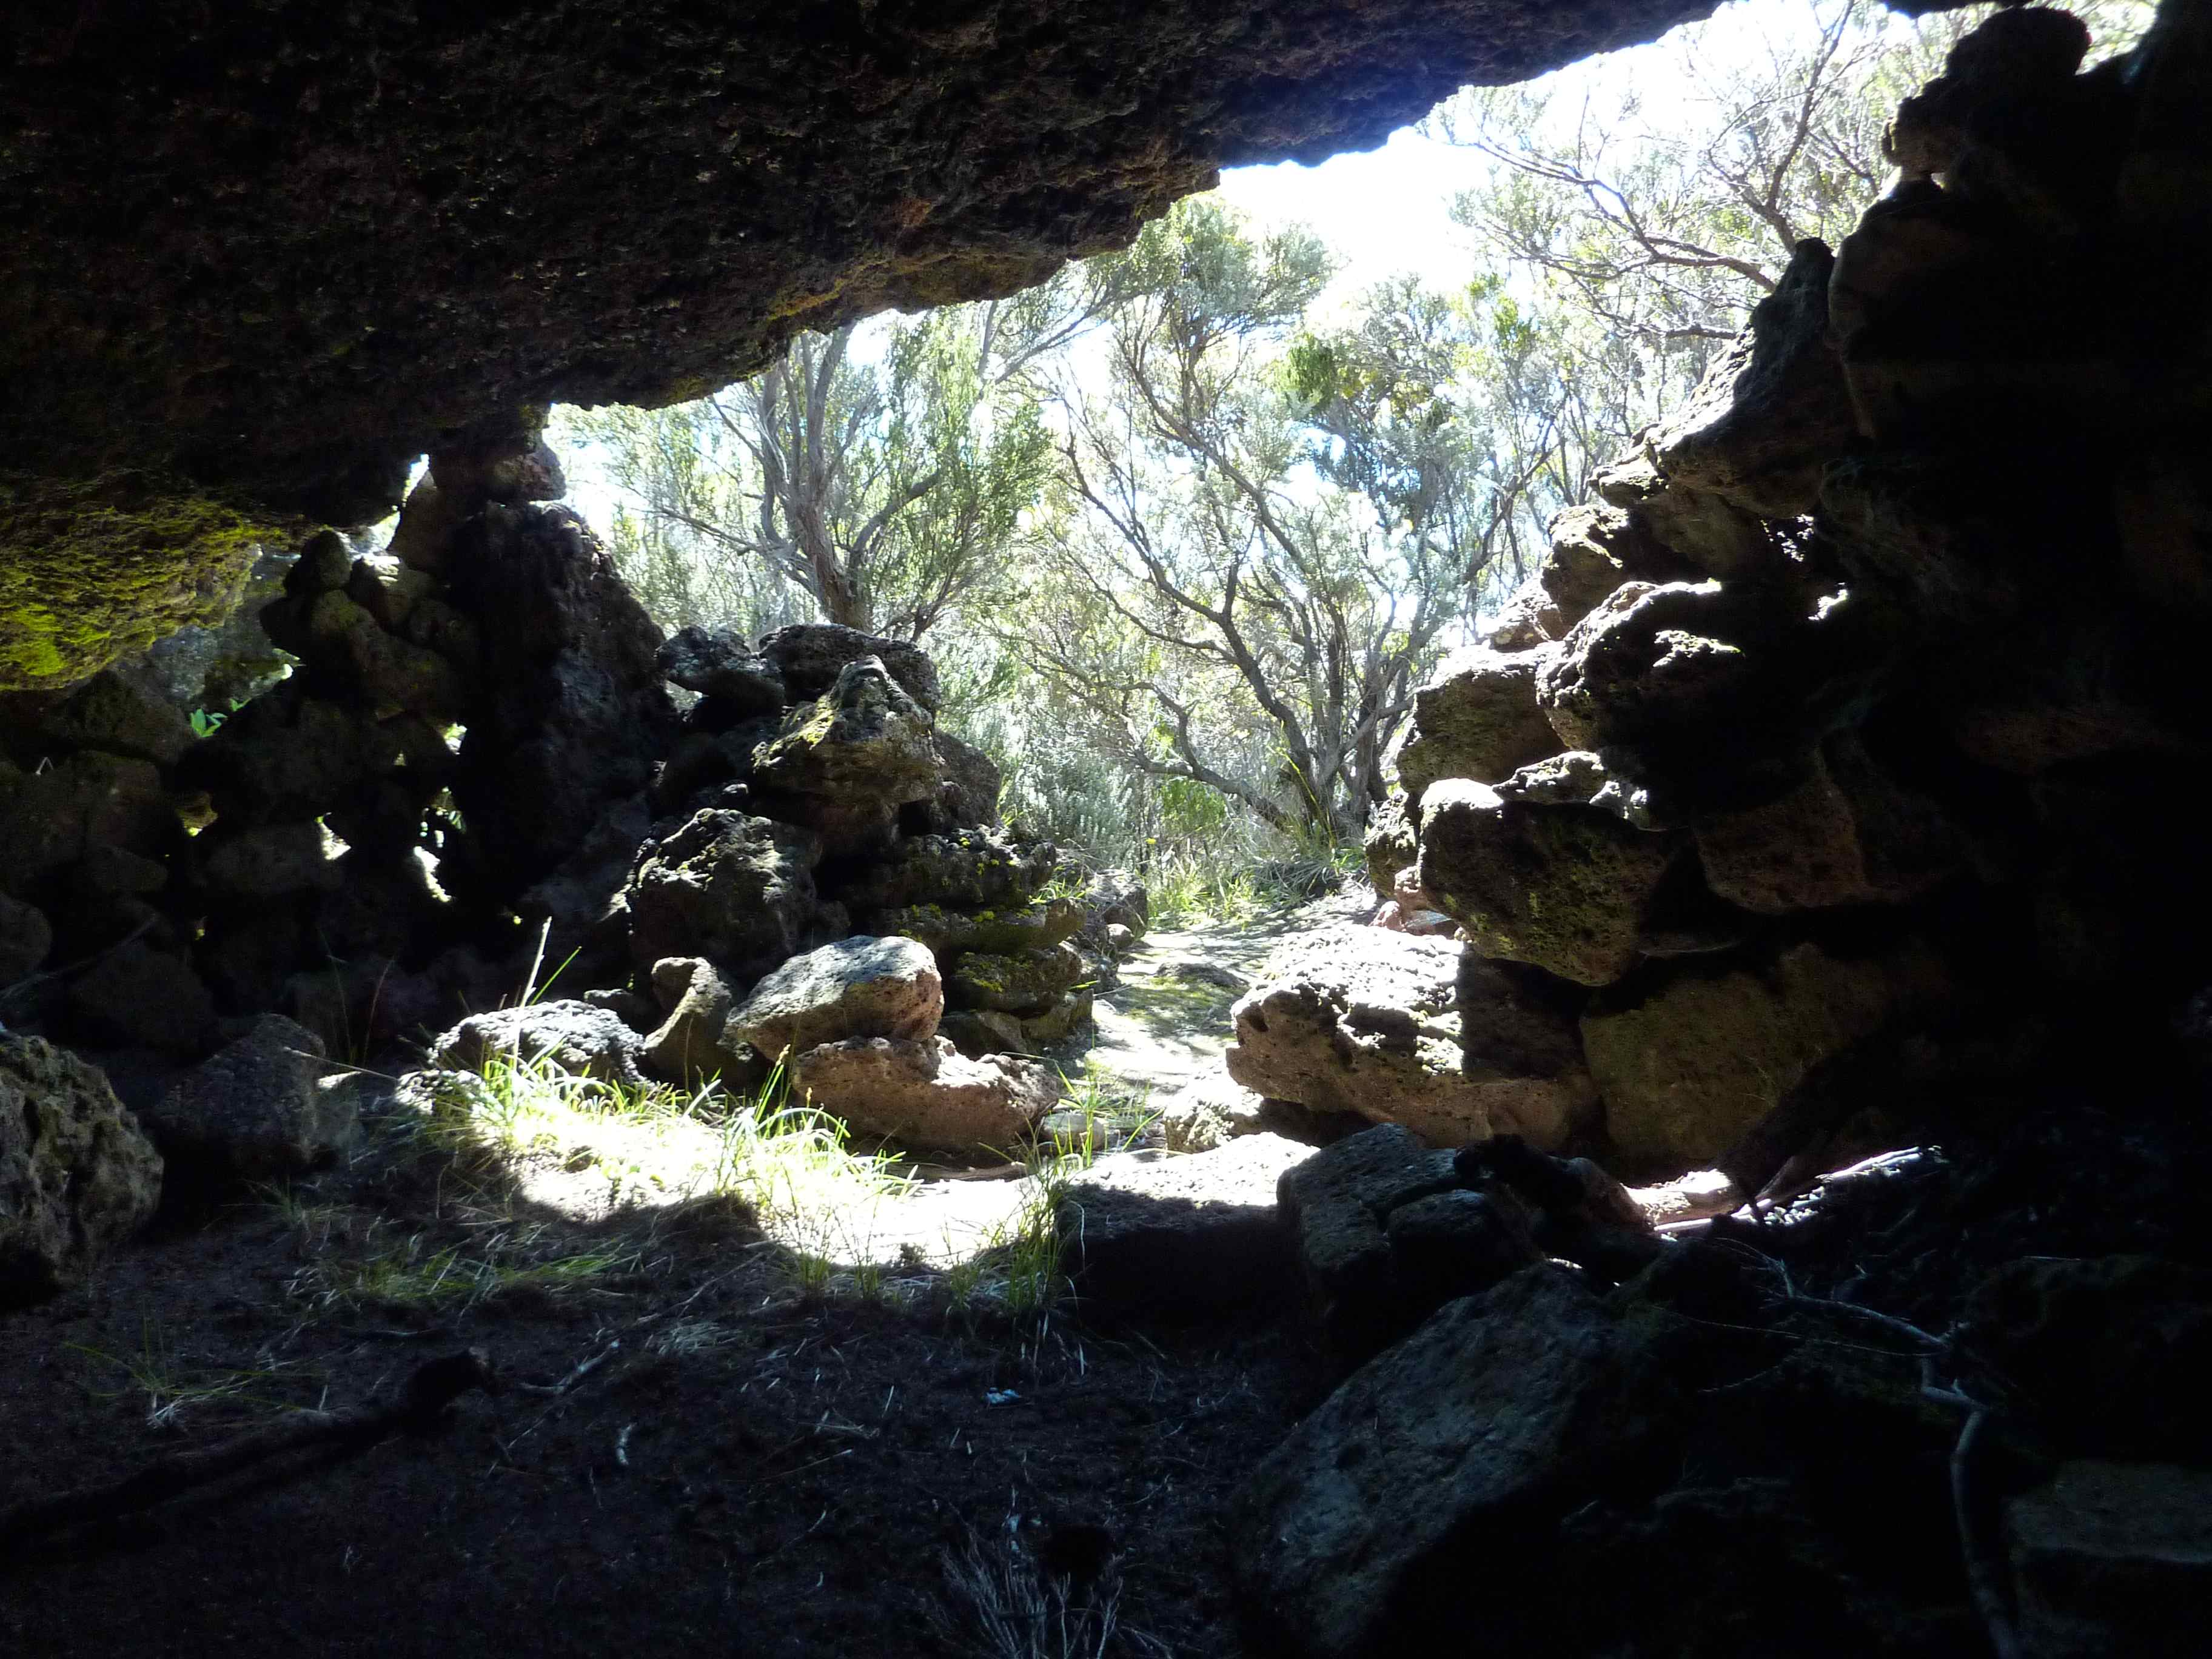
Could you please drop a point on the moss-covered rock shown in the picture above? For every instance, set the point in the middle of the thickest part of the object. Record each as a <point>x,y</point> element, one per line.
<point>1565,889</point>
<point>1689,1063</point>
<point>1027,983</point>
<point>93,570</point>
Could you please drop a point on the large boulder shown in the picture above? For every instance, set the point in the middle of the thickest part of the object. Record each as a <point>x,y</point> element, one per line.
<point>716,663</point>
<point>1454,1451</point>
<point>862,987</point>
<point>77,1176</point>
<point>50,818</point>
<point>1036,926</point>
<point>976,869</point>
<point>1774,411</point>
<point>1689,1061</point>
<point>572,1036</point>
<point>572,713</point>
<point>736,889</point>
<point>810,658</point>
<point>1024,983</point>
<point>1413,1031</point>
<point>865,740</point>
<point>138,997</point>
<point>1709,695</point>
<point>924,1094</point>
<point>1477,718</point>
<point>113,714</point>
<point>689,1046</point>
<point>251,1111</point>
<point>968,797</point>
<point>1566,889</point>
<point>1849,834</point>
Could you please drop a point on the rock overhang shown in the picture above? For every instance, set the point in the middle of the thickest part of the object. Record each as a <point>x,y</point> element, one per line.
<point>260,257</point>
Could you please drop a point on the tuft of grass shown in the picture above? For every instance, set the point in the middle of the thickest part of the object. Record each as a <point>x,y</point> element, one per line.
<point>415,1275</point>
<point>172,1389</point>
<point>998,1603</point>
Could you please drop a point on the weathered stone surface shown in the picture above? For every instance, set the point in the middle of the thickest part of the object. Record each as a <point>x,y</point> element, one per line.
<point>48,819</point>
<point>968,797</point>
<point>1774,411</point>
<point>251,1111</point>
<point>976,1032</point>
<point>1848,835</point>
<point>862,987</point>
<point>1358,1536</point>
<point>77,1176</point>
<point>1024,983</point>
<point>1035,926</point>
<point>1707,696</point>
<point>25,936</point>
<point>864,741</point>
<point>1688,1063</point>
<point>812,657</point>
<point>1408,1030</point>
<point>575,1036</point>
<point>976,869</point>
<point>715,662</point>
<point>2013,55</point>
<point>573,710</point>
<point>387,589</point>
<point>687,1047</point>
<point>2106,1555</point>
<point>735,890</point>
<point>138,997</point>
<point>1566,889</point>
<point>1338,1205</point>
<point>1479,718</point>
<point>113,715</point>
<point>1208,1112</point>
<point>1595,548</point>
<point>1391,844</point>
<point>1179,1235</point>
<point>288,756</point>
<point>924,1094</point>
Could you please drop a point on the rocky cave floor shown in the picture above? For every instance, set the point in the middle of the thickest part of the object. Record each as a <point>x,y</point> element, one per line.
<point>693,1445</point>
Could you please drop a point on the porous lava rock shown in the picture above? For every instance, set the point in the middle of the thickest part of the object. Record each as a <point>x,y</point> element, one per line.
<point>1477,718</point>
<point>1355,1537</point>
<point>252,1111</point>
<point>573,710</point>
<point>1408,1030</point>
<point>862,987</point>
<point>734,889</point>
<point>1689,1060</point>
<point>924,1093</point>
<point>77,1176</point>
<point>573,1036</point>
<point>1566,889</point>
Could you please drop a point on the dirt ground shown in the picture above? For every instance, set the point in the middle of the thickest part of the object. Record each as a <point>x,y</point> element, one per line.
<point>699,1442</point>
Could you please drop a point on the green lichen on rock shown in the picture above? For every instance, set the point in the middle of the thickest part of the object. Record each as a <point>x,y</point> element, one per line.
<point>1562,888</point>
<point>93,570</point>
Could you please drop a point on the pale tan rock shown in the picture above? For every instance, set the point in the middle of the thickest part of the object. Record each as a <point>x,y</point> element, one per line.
<point>927,1094</point>
<point>1413,1031</point>
<point>861,987</point>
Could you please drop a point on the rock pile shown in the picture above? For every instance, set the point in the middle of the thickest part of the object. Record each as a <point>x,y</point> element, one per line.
<point>1832,725</point>
<point>476,780</point>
